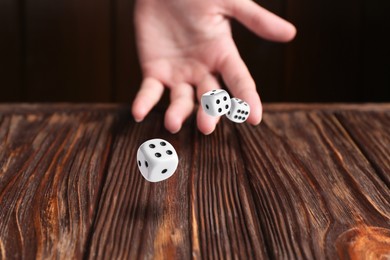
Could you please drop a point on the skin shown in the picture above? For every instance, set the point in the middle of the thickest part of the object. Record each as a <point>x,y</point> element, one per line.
<point>184,45</point>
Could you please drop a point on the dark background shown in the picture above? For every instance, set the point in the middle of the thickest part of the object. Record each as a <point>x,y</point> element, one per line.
<point>84,51</point>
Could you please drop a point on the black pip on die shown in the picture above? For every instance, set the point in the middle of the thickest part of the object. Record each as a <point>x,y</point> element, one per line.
<point>157,160</point>
<point>216,102</point>
<point>239,111</point>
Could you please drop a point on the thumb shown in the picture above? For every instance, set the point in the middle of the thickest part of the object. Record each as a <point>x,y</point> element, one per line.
<point>261,21</point>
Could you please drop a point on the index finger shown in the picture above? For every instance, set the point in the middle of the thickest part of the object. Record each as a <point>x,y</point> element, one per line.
<point>241,84</point>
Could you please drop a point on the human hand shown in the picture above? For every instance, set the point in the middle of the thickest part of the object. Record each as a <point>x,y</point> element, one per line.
<point>184,44</point>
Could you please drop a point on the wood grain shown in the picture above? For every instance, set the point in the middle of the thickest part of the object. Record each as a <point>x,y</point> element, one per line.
<point>304,184</point>
<point>138,219</point>
<point>371,133</point>
<point>202,211</point>
<point>224,223</point>
<point>311,183</point>
<point>51,166</point>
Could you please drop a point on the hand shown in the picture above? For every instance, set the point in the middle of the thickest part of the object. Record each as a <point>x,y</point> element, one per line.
<point>184,44</point>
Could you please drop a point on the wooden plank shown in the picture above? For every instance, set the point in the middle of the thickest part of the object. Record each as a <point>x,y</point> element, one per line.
<point>375,50</point>
<point>203,210</point>
<point>68,51</point>
<point>50,108</point>
<point>11,50</point>
<point>316,194</point>
<point>138,219</point>
<point>371,132</point>
<point>19,108</point>
<point>223,217</point>
<point>328,107</point>
<point>323,63</point>
<point>265,59</point>
<point>303,184</point>
<point>126,69</point>
<point>51,169</point>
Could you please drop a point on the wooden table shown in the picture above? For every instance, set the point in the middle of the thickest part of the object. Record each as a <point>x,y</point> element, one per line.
<point>310,182</point>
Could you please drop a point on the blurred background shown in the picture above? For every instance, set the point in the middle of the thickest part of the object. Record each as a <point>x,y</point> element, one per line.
<point>84,51</point>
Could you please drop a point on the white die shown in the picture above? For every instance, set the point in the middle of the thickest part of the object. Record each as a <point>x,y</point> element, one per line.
<point>239,111</point>
<point>216,102</point>
<point>157,160</point>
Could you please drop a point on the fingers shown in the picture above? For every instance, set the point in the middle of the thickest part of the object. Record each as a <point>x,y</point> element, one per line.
<point>241,84</point>
<point>261,21</point>
<point>206,123</point>
<point>207,83</point>
<point>147,97</point>
<point>182,105</point>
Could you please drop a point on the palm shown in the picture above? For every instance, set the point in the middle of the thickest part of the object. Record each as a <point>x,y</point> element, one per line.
<point>172,65</point>
<point>182,47</point>
<point>183,44</point>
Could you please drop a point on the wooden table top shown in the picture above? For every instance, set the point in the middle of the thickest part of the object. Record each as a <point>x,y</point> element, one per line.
<point>310,182</point>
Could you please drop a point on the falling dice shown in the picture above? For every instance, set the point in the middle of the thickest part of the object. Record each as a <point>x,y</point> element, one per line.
<point>157,160</point>
<point>216,102</point>
<point>239,111</point>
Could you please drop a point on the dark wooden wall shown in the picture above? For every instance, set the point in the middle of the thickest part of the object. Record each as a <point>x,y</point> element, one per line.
<point>72,50</point>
